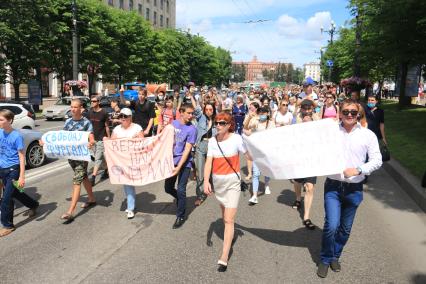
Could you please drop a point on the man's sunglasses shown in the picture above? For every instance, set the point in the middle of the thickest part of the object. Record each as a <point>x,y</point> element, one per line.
<point>124,116</point>
<point>284,105</point>
<point>347,112</point>
<point>221,123</point>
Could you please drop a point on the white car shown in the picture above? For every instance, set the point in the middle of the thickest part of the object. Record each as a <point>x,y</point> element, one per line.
<point>61,107</point>
<point>24,119</point>
<point>34,155</point>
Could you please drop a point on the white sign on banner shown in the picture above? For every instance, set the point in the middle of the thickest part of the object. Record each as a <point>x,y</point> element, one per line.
<point>297,151</point>
<point>67,145</point>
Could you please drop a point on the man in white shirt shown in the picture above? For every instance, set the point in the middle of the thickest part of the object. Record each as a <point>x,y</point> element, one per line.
<point>343,192</point>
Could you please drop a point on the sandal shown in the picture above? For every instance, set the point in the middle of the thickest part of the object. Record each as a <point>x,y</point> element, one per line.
<point>67,216</point>
<point>6,231</point>
<point>88,204</point>
<point>308,224</point>
<point>296,205</point>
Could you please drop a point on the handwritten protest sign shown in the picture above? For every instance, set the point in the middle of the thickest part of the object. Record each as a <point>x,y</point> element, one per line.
<point>67,145</point>
<point>299,150</point>
<point>140,161</point>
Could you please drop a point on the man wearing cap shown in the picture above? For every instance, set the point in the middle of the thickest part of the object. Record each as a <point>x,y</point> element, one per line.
<point>100,120</point>
<point>306,114</point>
<point>144,110</point>
<point>308,92</point>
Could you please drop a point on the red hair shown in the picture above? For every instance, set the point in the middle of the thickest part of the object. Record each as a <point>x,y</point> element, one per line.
<point>224,116</point>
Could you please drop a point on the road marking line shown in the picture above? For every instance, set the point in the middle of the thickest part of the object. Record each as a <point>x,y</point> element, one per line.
<point>45,172</point>
<point>59,127</point>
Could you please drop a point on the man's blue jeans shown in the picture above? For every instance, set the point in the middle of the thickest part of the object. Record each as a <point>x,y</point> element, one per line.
<point>341,201</point>
<point>180,193</point>
<point>7,175</point>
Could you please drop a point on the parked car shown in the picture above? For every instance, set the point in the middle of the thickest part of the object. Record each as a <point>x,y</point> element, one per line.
<point>24,118</point>
<point>61,107</point>
<point>34,155</point>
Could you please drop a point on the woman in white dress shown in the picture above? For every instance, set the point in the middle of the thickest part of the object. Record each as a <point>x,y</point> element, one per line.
<point>223,163</point>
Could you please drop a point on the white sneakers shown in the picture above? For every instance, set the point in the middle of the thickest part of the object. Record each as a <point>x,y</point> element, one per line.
<point>267,190</point>
<point>253,200</point>
<point>130,214</point>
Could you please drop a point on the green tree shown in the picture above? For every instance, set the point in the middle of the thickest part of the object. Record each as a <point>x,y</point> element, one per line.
<point>21,39</point>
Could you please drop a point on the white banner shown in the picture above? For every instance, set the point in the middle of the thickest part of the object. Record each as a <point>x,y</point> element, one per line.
<point>67,145</point>
<point>297,151</point>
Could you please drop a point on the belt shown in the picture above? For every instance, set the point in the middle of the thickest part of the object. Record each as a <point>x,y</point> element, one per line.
<point>344,183</point>
<point>205,139</point>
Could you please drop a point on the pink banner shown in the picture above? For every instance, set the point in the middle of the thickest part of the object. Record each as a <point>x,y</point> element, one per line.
<point>140,161</point>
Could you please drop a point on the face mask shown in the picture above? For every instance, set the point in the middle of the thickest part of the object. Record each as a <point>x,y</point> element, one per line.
<point>251,97</point>
<point>320,103</point>
<point>263,117</point>
<point>160,98</point>
<point>371,105</point>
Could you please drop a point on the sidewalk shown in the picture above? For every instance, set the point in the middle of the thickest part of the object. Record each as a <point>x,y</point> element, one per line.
<point>408,182</point>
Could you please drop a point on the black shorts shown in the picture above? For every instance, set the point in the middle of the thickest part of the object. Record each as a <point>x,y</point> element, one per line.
<point>312,180</point>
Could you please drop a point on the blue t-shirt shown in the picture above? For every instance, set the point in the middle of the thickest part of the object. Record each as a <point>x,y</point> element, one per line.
<point>184,133</point>
<point>10,144</point>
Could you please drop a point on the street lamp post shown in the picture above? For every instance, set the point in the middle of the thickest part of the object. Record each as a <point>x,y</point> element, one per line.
<point>331,31</point>
<point>74,41</point>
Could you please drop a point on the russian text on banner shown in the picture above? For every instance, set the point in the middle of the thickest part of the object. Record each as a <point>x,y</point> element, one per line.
<point>140,161</point>
<point>67,145</point>
<point>299,150</point>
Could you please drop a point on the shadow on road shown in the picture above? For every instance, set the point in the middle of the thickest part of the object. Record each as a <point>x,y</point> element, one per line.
<point>43,210</point>
<point>287,197</point>
<point>388,195</point>
<point>418,278</point>
<point>145,204</point>
<point>298,238</point>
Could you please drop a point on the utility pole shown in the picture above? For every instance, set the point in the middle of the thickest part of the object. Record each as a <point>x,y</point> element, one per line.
<point>331,31</point>
<point>74,41</point>
<point>357,64</point>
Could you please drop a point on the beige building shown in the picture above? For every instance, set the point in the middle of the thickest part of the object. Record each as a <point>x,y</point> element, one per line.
<point>313,70</point>
<point>160,13</point>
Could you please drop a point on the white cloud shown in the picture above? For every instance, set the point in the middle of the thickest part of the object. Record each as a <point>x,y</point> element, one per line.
<point>287,37</point>
<point>309,30</point>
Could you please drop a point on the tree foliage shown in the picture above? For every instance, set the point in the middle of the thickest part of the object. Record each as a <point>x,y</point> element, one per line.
<point>392,37</point>
<point>120,45</point>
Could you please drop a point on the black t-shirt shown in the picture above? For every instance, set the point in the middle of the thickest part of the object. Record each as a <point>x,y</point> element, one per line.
<point>374,118</point>
<point>143,112</point>
<point>98,120</point>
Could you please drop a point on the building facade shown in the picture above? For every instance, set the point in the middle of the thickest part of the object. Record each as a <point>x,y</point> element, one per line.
<point>313,70</point>
<point>254,69</point>
<point>160,13</point>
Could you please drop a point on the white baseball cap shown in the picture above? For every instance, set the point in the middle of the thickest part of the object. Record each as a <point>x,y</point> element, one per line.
<point>126,111</point>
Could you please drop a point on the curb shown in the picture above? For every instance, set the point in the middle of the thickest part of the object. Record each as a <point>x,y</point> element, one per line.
<point>408,182</point>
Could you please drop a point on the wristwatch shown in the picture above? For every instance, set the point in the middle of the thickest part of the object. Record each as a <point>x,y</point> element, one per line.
<point>359,170</point>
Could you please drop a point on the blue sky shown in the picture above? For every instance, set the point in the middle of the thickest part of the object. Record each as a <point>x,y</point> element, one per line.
<point>292,34</point>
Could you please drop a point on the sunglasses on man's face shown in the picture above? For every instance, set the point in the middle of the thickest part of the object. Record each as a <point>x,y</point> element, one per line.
<point>124,116</point>
<point>221,123</point>
<point>284,105</point>
<point>346,112</point>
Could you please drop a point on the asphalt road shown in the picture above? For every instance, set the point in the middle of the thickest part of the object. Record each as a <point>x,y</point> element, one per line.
<point>387,245</point>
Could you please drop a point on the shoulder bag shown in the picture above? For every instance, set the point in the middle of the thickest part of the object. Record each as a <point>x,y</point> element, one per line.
<point>243,185</point>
